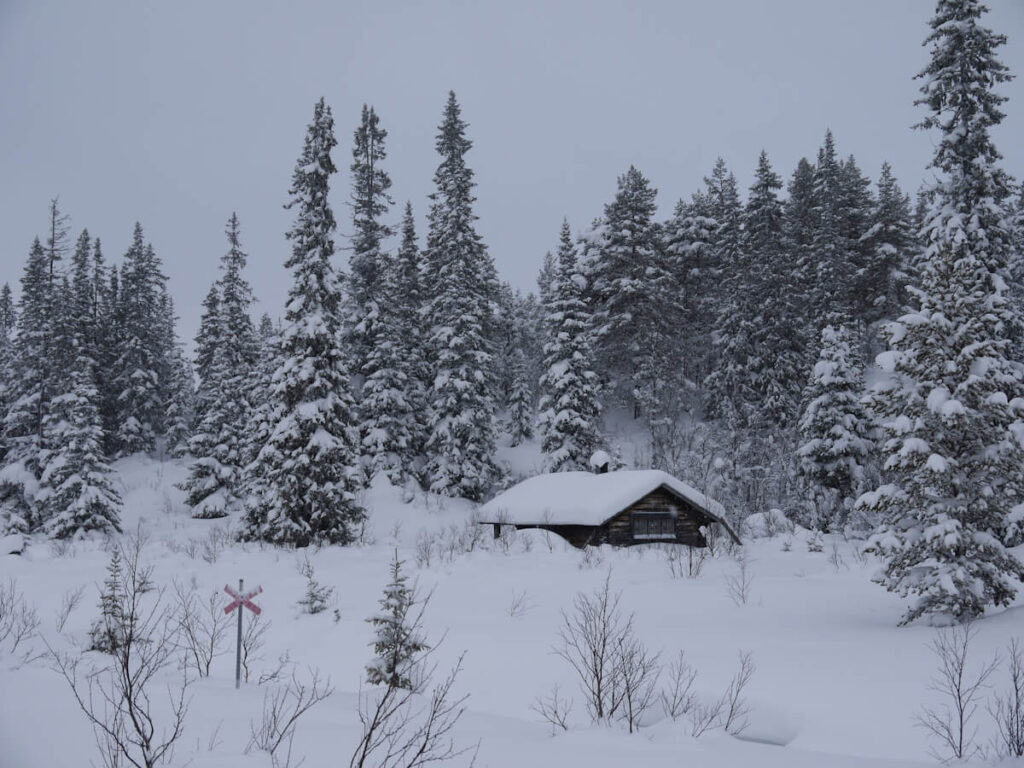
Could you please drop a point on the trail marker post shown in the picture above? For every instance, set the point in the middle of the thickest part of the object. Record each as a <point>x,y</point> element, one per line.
<point>242,599</point>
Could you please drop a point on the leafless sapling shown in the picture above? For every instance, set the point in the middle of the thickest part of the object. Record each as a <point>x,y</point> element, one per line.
<point>554,708</point>
<point>283,706</point>
<point>1007,707</point>
<point>203,627</point>
<point>678,698</point>
<point>637,670</point>
<point>589,642</point>
<point>950,724</point>
<point>735,708</point>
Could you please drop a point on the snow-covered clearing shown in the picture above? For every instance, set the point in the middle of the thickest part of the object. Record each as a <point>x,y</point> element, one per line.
<point>836,682</point>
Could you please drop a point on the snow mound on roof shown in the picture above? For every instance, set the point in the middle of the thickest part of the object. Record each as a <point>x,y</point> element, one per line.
<point>583,498</point>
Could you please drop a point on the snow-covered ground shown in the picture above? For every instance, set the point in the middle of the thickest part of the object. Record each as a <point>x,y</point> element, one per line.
<point>837,683</point>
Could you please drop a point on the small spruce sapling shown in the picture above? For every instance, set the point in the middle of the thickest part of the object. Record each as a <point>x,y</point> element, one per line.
<point>317,595</point>
<point>105,633</point>
<point>398,641</point>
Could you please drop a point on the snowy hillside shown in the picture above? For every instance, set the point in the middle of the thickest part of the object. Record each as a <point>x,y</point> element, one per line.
<point>835,682</point>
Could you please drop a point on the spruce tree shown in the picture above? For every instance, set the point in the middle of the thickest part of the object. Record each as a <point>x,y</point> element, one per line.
<point>730,387</point>
<point>107,633</point>
<point>398,642</point>
<point>77,495</point>
<point>180,407</point>
<point>30,394</point>
<point>776,353</point>
<point>835,429</point>
<point>569,410</point>
<point>370,202</point>
<point>8,318</point>
<point>141,345</point>
<point>891,243</point>
<point>520,399</point>
<point>410,306</point>
<point>461,281</point>
<point>688,239</point>
<point>953,494</point>
<point>389,427</point>
<point>833,275</point>
<point>798,231</point>
<point>228,353</point>
<point>855,213</point>
<point>208,341</point>
<point>306,478</point>
<point>261,422</point>
<point>631,288</point>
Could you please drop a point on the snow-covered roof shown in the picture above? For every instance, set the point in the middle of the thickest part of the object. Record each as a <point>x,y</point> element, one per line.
<point>585,498</point>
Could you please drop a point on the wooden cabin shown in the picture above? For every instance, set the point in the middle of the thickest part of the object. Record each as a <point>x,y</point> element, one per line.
<point>622,508</point>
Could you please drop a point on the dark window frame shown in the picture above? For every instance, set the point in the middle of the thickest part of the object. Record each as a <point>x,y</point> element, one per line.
<point>653,526</point>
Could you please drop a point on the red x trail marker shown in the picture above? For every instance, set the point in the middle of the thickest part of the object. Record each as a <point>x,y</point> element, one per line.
<point>242,599</point>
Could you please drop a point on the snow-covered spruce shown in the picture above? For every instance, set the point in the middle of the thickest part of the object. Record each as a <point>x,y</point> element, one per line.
<point>835,429</point>
<point>229,353</point>
<point>953,496</point>
<point>461,281</point>
<point>631,294</point>
<point>370,202</point>
<point>304,476</point>
<point>570,410</point>
<point>398,642</point>
<point>393,392</point>
<point>137,380</point>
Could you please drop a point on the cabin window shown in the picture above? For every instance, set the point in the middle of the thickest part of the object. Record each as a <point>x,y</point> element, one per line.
<point>653,526</point>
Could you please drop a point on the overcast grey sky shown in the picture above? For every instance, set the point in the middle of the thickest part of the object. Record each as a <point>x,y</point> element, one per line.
<point>176,113</point>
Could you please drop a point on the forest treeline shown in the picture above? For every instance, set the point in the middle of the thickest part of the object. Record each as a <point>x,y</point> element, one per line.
<point>738,333</point>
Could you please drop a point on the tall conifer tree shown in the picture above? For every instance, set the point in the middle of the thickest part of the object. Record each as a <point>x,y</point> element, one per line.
<point>954,494</point>
<point>461,281</point>
<point>569,417</point>
<point>306,478</point>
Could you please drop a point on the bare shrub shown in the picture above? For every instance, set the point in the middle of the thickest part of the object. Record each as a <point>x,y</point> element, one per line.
<point>203,627</point>
<point>426,546</point>
<point>217,540</point>
<point>684,561</point>
<point>284,665</point>
<point>638,671</point>
<point>69,601</point>
<point>835,557</point>
<point>590,635</point>
<point>402,729</point>
<point>678,697</point>
<point>950,724</point>
<point>592,558</point>
<point>283,705</point>
<point>1007,708</point>
<point>739,583</point>
<point>253,639</point>
<point>555,709</point>
<point>63,548</point>
<point>19,621</point>
<point>735,706</point>
<point>705,716</point>
<point>117,698</point>
<point>519,605</point>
